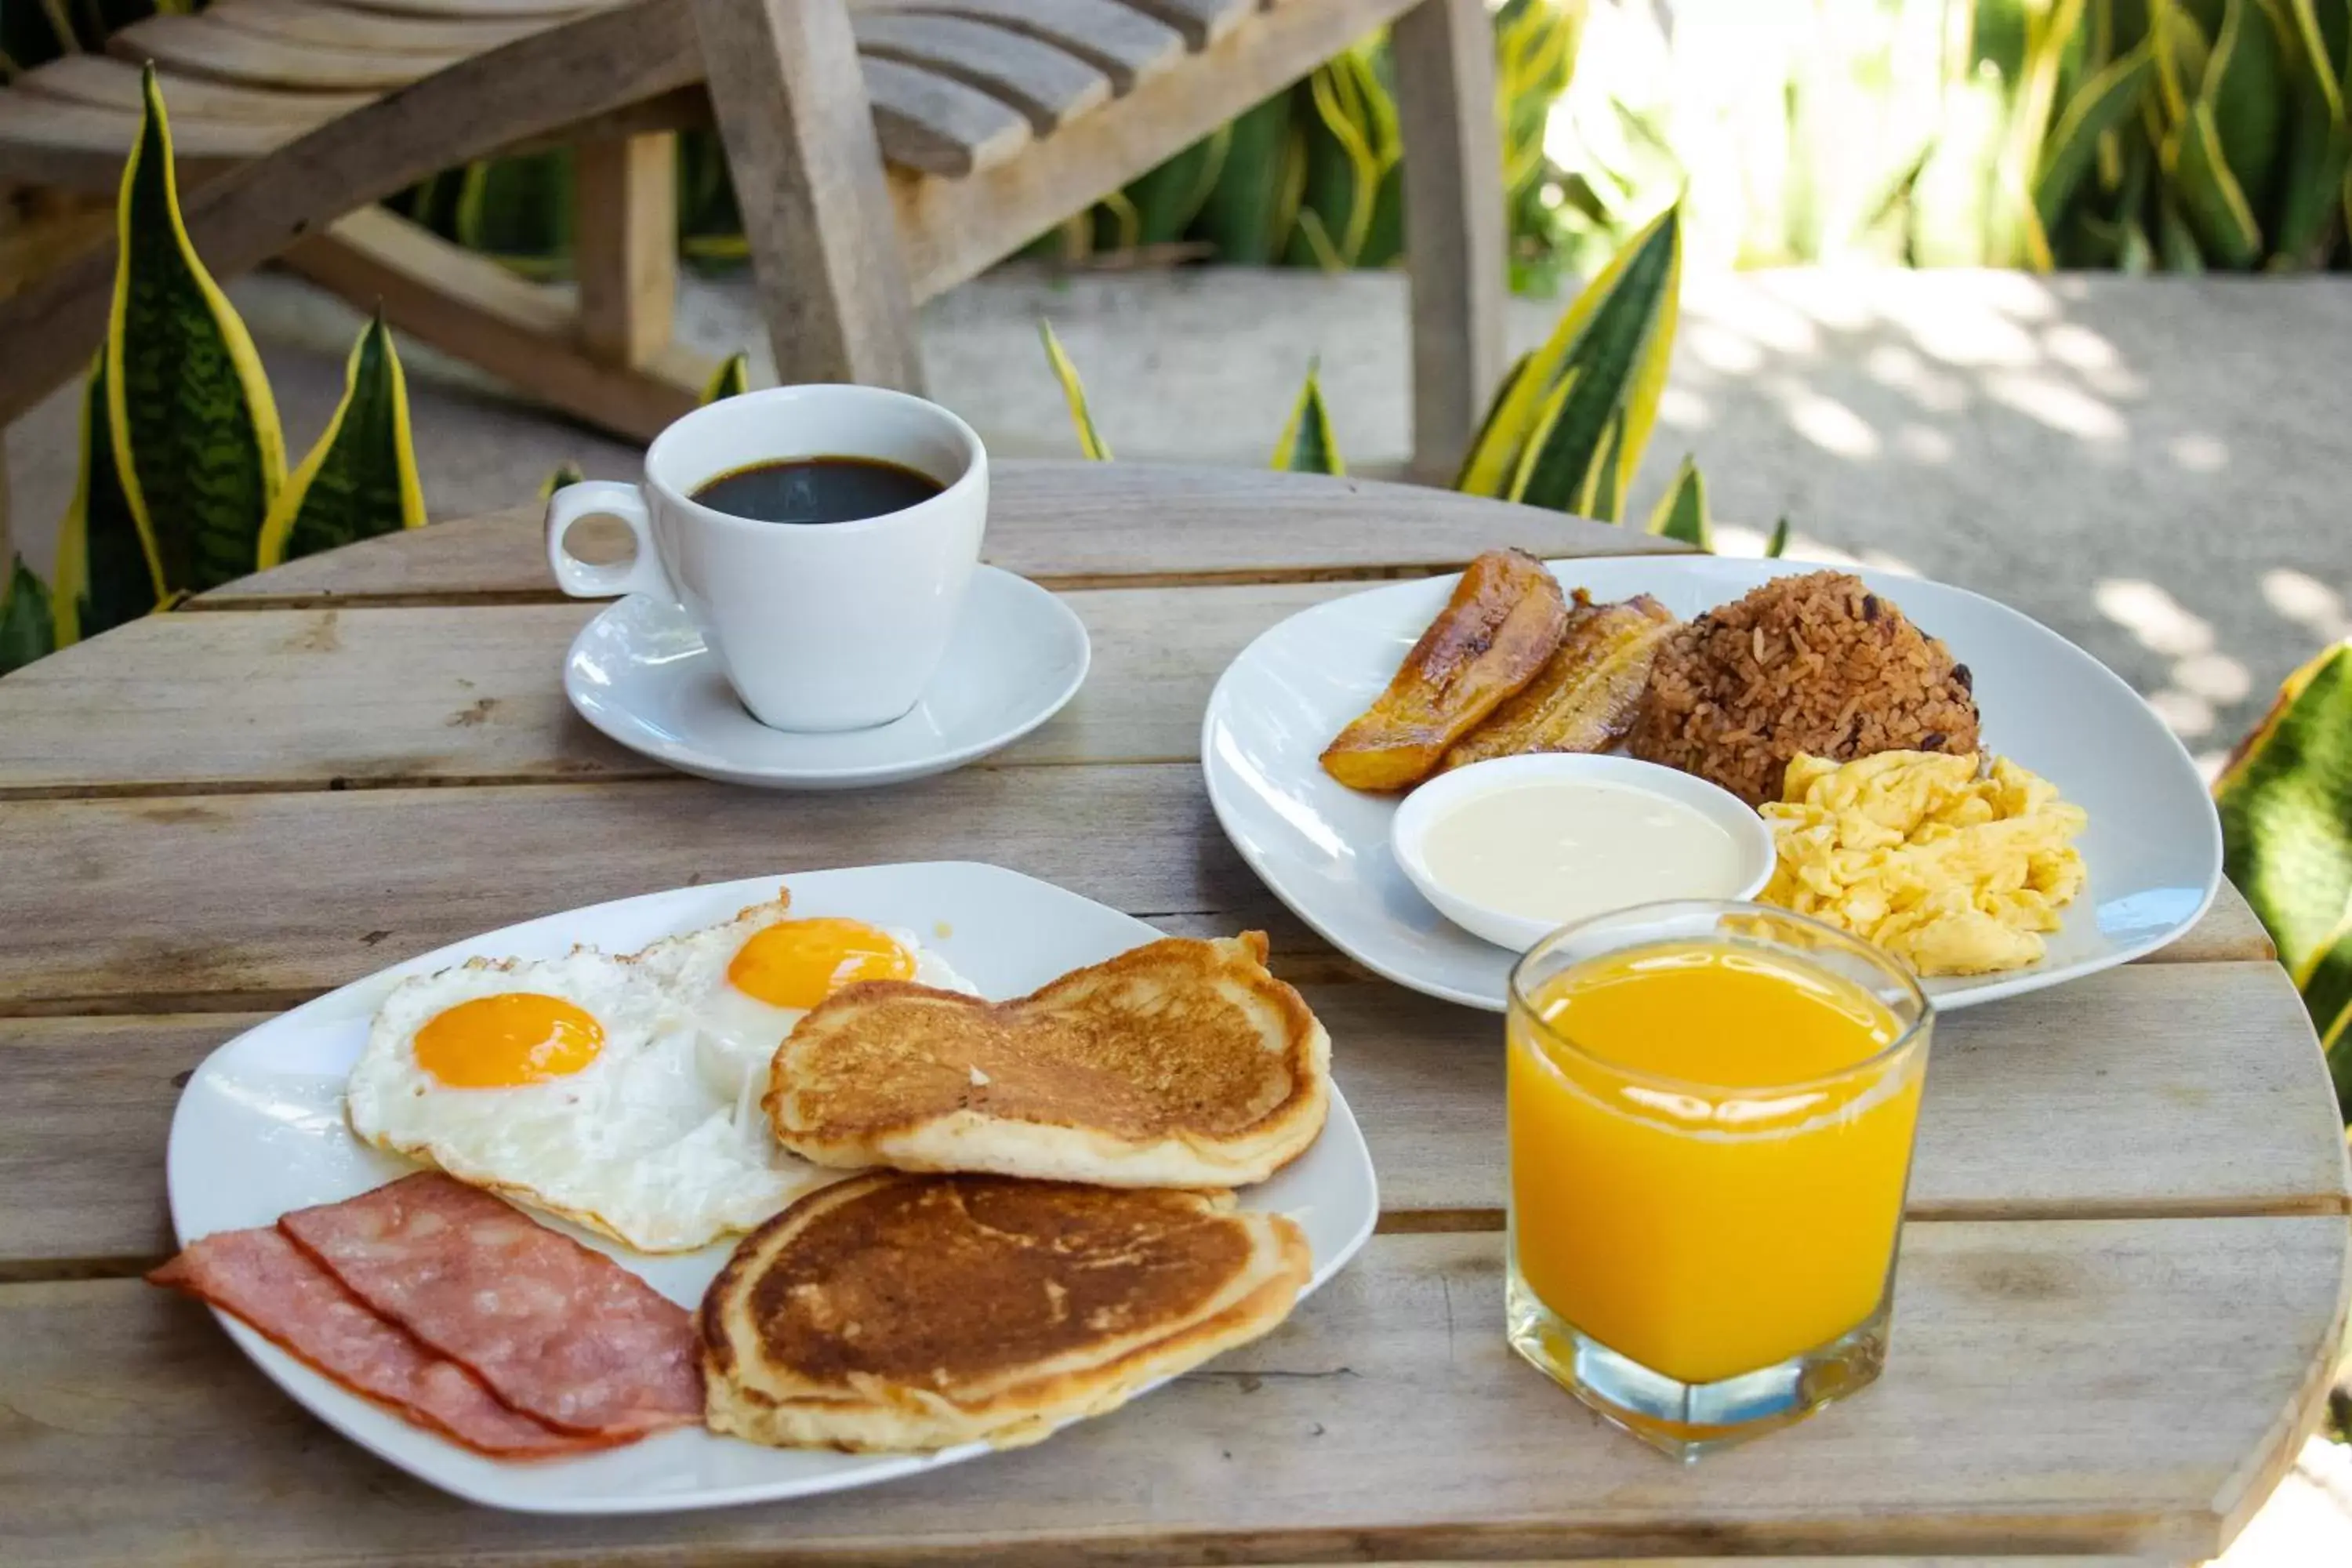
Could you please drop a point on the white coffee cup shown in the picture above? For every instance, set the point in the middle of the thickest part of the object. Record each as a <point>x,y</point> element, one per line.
<point>836,625</point>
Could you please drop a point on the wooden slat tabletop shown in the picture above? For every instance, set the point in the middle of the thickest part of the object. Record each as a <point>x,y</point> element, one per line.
<point>2127,1266</point>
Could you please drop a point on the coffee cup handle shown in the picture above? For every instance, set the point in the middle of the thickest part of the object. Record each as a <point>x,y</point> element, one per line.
<point>642,573</point>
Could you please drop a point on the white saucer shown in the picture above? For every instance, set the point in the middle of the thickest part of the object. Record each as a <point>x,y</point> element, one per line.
<point>641,673</point>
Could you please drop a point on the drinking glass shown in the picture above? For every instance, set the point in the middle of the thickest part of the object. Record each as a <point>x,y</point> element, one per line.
<point>1698,1261</point>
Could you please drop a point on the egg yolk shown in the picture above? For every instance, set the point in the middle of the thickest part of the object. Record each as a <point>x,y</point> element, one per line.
<point>799,963</point>
<point>515,1037</point>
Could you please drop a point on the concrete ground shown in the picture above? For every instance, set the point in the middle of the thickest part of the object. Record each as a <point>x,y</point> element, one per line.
<point>2157,468</point>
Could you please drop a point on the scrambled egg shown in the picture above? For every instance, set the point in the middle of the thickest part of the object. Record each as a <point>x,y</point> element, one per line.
<point>1951,873</point>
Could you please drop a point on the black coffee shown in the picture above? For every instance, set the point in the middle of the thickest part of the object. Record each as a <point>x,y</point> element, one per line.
<point>817,489</point>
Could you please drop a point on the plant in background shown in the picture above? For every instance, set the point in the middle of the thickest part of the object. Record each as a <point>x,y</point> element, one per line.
<point>182,480</point>
<point>2285,802</point>
<point>1569,424</point>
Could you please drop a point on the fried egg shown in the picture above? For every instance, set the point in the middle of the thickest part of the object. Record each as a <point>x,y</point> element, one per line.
<point>573,1084</point>
<point>742,985</point>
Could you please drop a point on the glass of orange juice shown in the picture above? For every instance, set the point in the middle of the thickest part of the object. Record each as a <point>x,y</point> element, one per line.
<point>1711,1117</point>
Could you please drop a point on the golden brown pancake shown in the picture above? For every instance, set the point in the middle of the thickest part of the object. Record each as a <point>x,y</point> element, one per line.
<point>1180,1064</point>
<point>894,1311</point>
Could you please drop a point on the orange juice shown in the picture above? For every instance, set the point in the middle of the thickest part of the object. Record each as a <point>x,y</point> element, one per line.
<point>1709,1143</point>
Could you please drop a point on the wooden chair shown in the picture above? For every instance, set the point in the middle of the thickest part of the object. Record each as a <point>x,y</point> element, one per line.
<point>881,152</point>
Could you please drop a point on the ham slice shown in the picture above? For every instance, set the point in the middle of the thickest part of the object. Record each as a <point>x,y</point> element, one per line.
<point>556,1330</point>
<point>262,1278</point>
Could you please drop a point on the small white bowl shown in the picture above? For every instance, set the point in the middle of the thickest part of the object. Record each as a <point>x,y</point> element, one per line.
<point>1409,830</point>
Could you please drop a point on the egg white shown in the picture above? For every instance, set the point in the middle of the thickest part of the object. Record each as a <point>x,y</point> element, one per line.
<point>736,1035</point>
<point>636,1144</point>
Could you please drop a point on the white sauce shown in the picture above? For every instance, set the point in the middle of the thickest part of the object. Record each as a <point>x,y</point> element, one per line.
<point>1555,851</point>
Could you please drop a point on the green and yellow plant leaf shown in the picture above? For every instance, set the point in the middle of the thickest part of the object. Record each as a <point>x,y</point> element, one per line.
<point>1603,491</point>
<point>2210,200</point>
<point>194,425</point>
<point>1778,545</point>
<point>1246,215</point>
<point>1074,391</point>
<point>1307,445</point>
<point>566,472</point>
<point>1618,335</point>
<point>2319,138</point>
<point>1356,111</point>
<point>1170,196</point>
<point>2049,30</point>
<point>2099,108</point>
<point>2246,84</point>
<point>1547,416</point>
<point>109,571</point>
<point>107,563</point>
<point>26,629</point>
<point>2285,804</point>
<point>732,379</point>
<point>2326,981</point>
<point>360,479</point>
<point>518,211</point>
<point>1681,513</point>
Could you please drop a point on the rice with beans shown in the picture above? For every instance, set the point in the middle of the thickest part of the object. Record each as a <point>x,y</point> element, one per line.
<point>1816,664</point>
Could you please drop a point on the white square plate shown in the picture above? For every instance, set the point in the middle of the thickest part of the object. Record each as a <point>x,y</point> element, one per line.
<point>2153,847</point>
<point>260,1130</point>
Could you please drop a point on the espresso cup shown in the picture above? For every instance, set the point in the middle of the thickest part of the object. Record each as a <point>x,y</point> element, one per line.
<point>833,625</point>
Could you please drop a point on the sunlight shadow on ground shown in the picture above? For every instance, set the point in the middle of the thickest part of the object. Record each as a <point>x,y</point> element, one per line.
<point>2147,466</point>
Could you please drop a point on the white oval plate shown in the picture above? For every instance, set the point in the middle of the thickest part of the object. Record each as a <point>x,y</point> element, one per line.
<point>260,1130</point>
<point>2153,847</point>
<point>642,673</point>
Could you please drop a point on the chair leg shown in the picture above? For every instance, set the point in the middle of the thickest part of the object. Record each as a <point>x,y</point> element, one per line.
<point>1455,236</point>
<point>625,245</point>
<point>790,104</point>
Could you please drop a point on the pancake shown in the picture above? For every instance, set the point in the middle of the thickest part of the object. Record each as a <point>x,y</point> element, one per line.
<point>893,1312</point>
<point>1180,1063</point>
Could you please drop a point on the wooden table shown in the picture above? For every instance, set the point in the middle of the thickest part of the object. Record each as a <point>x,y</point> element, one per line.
<point>2125,1274</point>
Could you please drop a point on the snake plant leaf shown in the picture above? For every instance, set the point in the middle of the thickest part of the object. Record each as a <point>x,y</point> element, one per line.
<point>2285,802</point>
<point>1545,418</point>
<point>1243,214</point>
<point>2246,82</point>
<point>518,211</point>
<point>1682,512</point>
<point>1353,142</point>
<point>2326,982</point>
<point>1307,445</point>
<point>1074,391</point>
<point>27,632</point>
<point>1494,407</point>
<point>566,472</point>
<point>1603,492</point>
<point>194,425</point>
<point>360,480</point>
<point>732,379</point>
<point>1168,198</point>
<point>108,568</point>
<point>2211,201</point>
<point>2100,107</point>
<point>2319,140</point>
<point>1621,344</point>
<point>1626,313</point>
<point>1778,545</point>
<point>2174,243</point>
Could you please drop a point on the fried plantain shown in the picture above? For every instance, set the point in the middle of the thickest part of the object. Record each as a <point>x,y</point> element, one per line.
<point>1504,621</point>
<point>1588,693</point>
